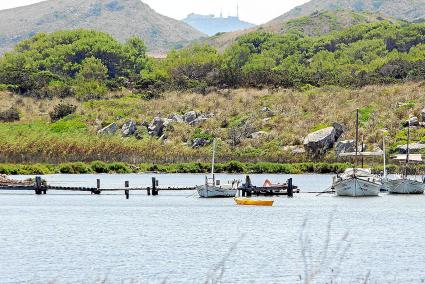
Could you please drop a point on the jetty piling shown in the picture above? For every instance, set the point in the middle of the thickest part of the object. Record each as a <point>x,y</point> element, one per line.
<point>155,184</point>
<point>290,189</point>
<point>38,186</point>
<point>126,191</point>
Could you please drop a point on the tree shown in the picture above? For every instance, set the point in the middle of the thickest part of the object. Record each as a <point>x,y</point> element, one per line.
<point>92,69</point>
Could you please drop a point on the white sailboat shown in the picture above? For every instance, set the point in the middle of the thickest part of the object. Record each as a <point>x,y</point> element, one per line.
<point>213,188</point>
<point>404,184</point>
<point>357,182</point>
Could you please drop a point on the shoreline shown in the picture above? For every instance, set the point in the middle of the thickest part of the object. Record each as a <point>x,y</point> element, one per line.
<point>233,167</point>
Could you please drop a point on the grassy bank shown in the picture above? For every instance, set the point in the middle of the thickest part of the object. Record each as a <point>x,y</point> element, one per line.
<point>123,168</point>
<point>35,139</point>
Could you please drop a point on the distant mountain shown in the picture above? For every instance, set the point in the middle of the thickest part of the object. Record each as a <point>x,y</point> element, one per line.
<point>316,24</point>
<point>211,25</point>
<point>120,18</point>
<point>408,10</point>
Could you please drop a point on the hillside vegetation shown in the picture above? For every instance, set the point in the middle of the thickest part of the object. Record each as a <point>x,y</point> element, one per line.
<point>315,24</point>
<point>83,96</point>
<point>86,64</point>
<point>408,10</point>
<point>120,18</point>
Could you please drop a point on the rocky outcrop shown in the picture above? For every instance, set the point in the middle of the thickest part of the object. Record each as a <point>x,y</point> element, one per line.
<point>346,146</point>
<point>318,143</point>
<point>414,121</point>
<point>157,126</point>
<point>268,112</point>
<point>195,118</point>
<point>258,135</point>
<point>415,148</point>
<point>200,142</point>
<point>339,130</point>
<point>129,128</point>
<point>109,130</point>
<point>176,118</point>
<point>297,149</point>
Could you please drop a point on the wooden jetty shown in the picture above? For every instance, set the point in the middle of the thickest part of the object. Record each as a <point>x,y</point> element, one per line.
<point>247,189</point>
<point>268,189</point>
<point>39,188</point>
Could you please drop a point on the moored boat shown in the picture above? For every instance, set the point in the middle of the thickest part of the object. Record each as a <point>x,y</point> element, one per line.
<point>404,184</point>
<point>253,202</point>
<point>357,182</point>
<point>213,188</point>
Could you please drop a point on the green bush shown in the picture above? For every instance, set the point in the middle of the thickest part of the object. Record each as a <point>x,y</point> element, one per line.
<point>62,110</point>
<point>75,168</point>
<point>119,168</point>
<point>10,115</point>
<point>99,167</point>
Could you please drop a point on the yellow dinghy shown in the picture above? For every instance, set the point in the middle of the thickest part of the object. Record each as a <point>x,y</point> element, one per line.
<point>253,202</point>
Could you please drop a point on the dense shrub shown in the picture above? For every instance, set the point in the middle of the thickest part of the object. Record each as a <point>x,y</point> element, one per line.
<point>10,115</point>
<point>62,110</point>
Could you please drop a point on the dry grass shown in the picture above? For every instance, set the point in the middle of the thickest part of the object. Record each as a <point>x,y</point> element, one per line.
<point>295,115</point>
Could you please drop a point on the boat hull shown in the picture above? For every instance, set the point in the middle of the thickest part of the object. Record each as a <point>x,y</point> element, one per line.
<point>357,187</point>
<point>216,192</point>
<point>253,202</point>
<point>405,186</point>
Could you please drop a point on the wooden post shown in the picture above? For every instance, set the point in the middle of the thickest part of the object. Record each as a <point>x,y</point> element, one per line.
<point>290,188</point>
<point>97,191</point>
<point>148,191</point>
<point>248,182</point>
<point>38,185</point>
<point>154,187</point>
<point>126,191</point>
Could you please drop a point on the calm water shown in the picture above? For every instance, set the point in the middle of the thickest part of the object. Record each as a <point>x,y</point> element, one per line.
<point>178,238</point>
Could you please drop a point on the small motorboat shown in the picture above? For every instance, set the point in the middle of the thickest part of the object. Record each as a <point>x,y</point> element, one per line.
<point>253,202</point>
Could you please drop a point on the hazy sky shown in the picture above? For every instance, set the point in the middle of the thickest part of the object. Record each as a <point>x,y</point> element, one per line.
<point>254,11</point>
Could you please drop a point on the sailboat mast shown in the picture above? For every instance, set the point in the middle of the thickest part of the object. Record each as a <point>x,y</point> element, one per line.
<point>385,158</point>
<point>408,143</point>
<point>213,159</point>
<point>357,132</point>
<point>357,140</point>
<point>407,149</point>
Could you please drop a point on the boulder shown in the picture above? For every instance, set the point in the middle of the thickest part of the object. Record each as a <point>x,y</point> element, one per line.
<point>194,118</point>
<point>319,142</point>
<point>414,121</point>
<point>190,116</point>
<point>346,146</point>
<point>415,148</point>
<point>109,130</point>
<point>297,149</point>
<point>268,112</point>
<point>129,128</point>
<point>423,115</point>
<point>157,126</point>
<point>199,120</point>
<point>258,135</point>
<point>176,118</point>
<point>339,130</point>
<point>200,142</point>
